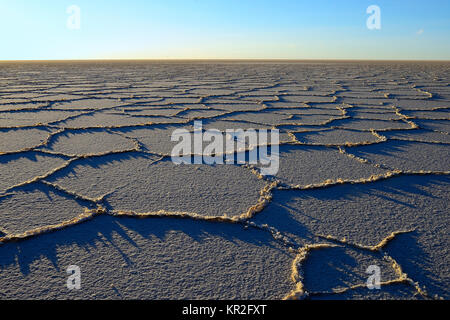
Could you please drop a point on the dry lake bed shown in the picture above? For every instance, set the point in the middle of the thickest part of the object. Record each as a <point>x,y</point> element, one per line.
<point>93,207</point>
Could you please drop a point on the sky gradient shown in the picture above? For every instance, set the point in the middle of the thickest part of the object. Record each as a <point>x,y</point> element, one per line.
<point>226,29</point>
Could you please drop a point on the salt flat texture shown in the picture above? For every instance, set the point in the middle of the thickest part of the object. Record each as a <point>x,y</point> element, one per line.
<point>86,179</point>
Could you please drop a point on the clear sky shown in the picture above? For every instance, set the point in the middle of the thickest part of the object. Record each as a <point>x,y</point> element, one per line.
<point>235,29</point>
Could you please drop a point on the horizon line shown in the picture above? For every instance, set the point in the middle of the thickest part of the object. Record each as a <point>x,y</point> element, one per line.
<point>219,60</point>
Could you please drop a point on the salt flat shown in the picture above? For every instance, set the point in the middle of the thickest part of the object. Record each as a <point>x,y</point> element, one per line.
<point>86,179</point>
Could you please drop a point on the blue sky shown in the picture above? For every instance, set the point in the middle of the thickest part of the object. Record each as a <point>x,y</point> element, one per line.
<point>229,29</point>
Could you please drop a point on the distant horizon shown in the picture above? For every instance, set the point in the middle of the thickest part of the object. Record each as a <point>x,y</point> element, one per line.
<point>225,60</point>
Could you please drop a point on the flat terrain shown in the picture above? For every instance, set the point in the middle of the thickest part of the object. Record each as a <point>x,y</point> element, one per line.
<point>86,179</point>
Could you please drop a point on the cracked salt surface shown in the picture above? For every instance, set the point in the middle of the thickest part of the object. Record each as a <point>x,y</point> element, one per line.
<point>36,206</point>
<point>19,139</point>
<point>335,137</point>
<point>406,155</point>
<point>363,180</point>
<point>304,166</point>
<point>88,142</point>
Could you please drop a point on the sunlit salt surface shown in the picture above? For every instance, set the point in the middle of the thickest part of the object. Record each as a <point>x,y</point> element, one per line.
<point>86,179</point>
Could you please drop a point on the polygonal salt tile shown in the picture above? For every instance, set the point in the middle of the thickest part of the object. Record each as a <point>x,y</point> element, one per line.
<point>438,125</point>
<point>336,137</point>
<point>367,213</point>
<point>20,139</point>
<point>22,167</point>
<point>135,183</point>
<point>371,124</point>
<point>101,119</point>
<point>38,206</point>
<point>148,259</point>
<point>406,155</point>
<point>342,268</point>
<point>306,165</point>
<point>33,118</point>
<point>418,135</point>
<point>88,142</point>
